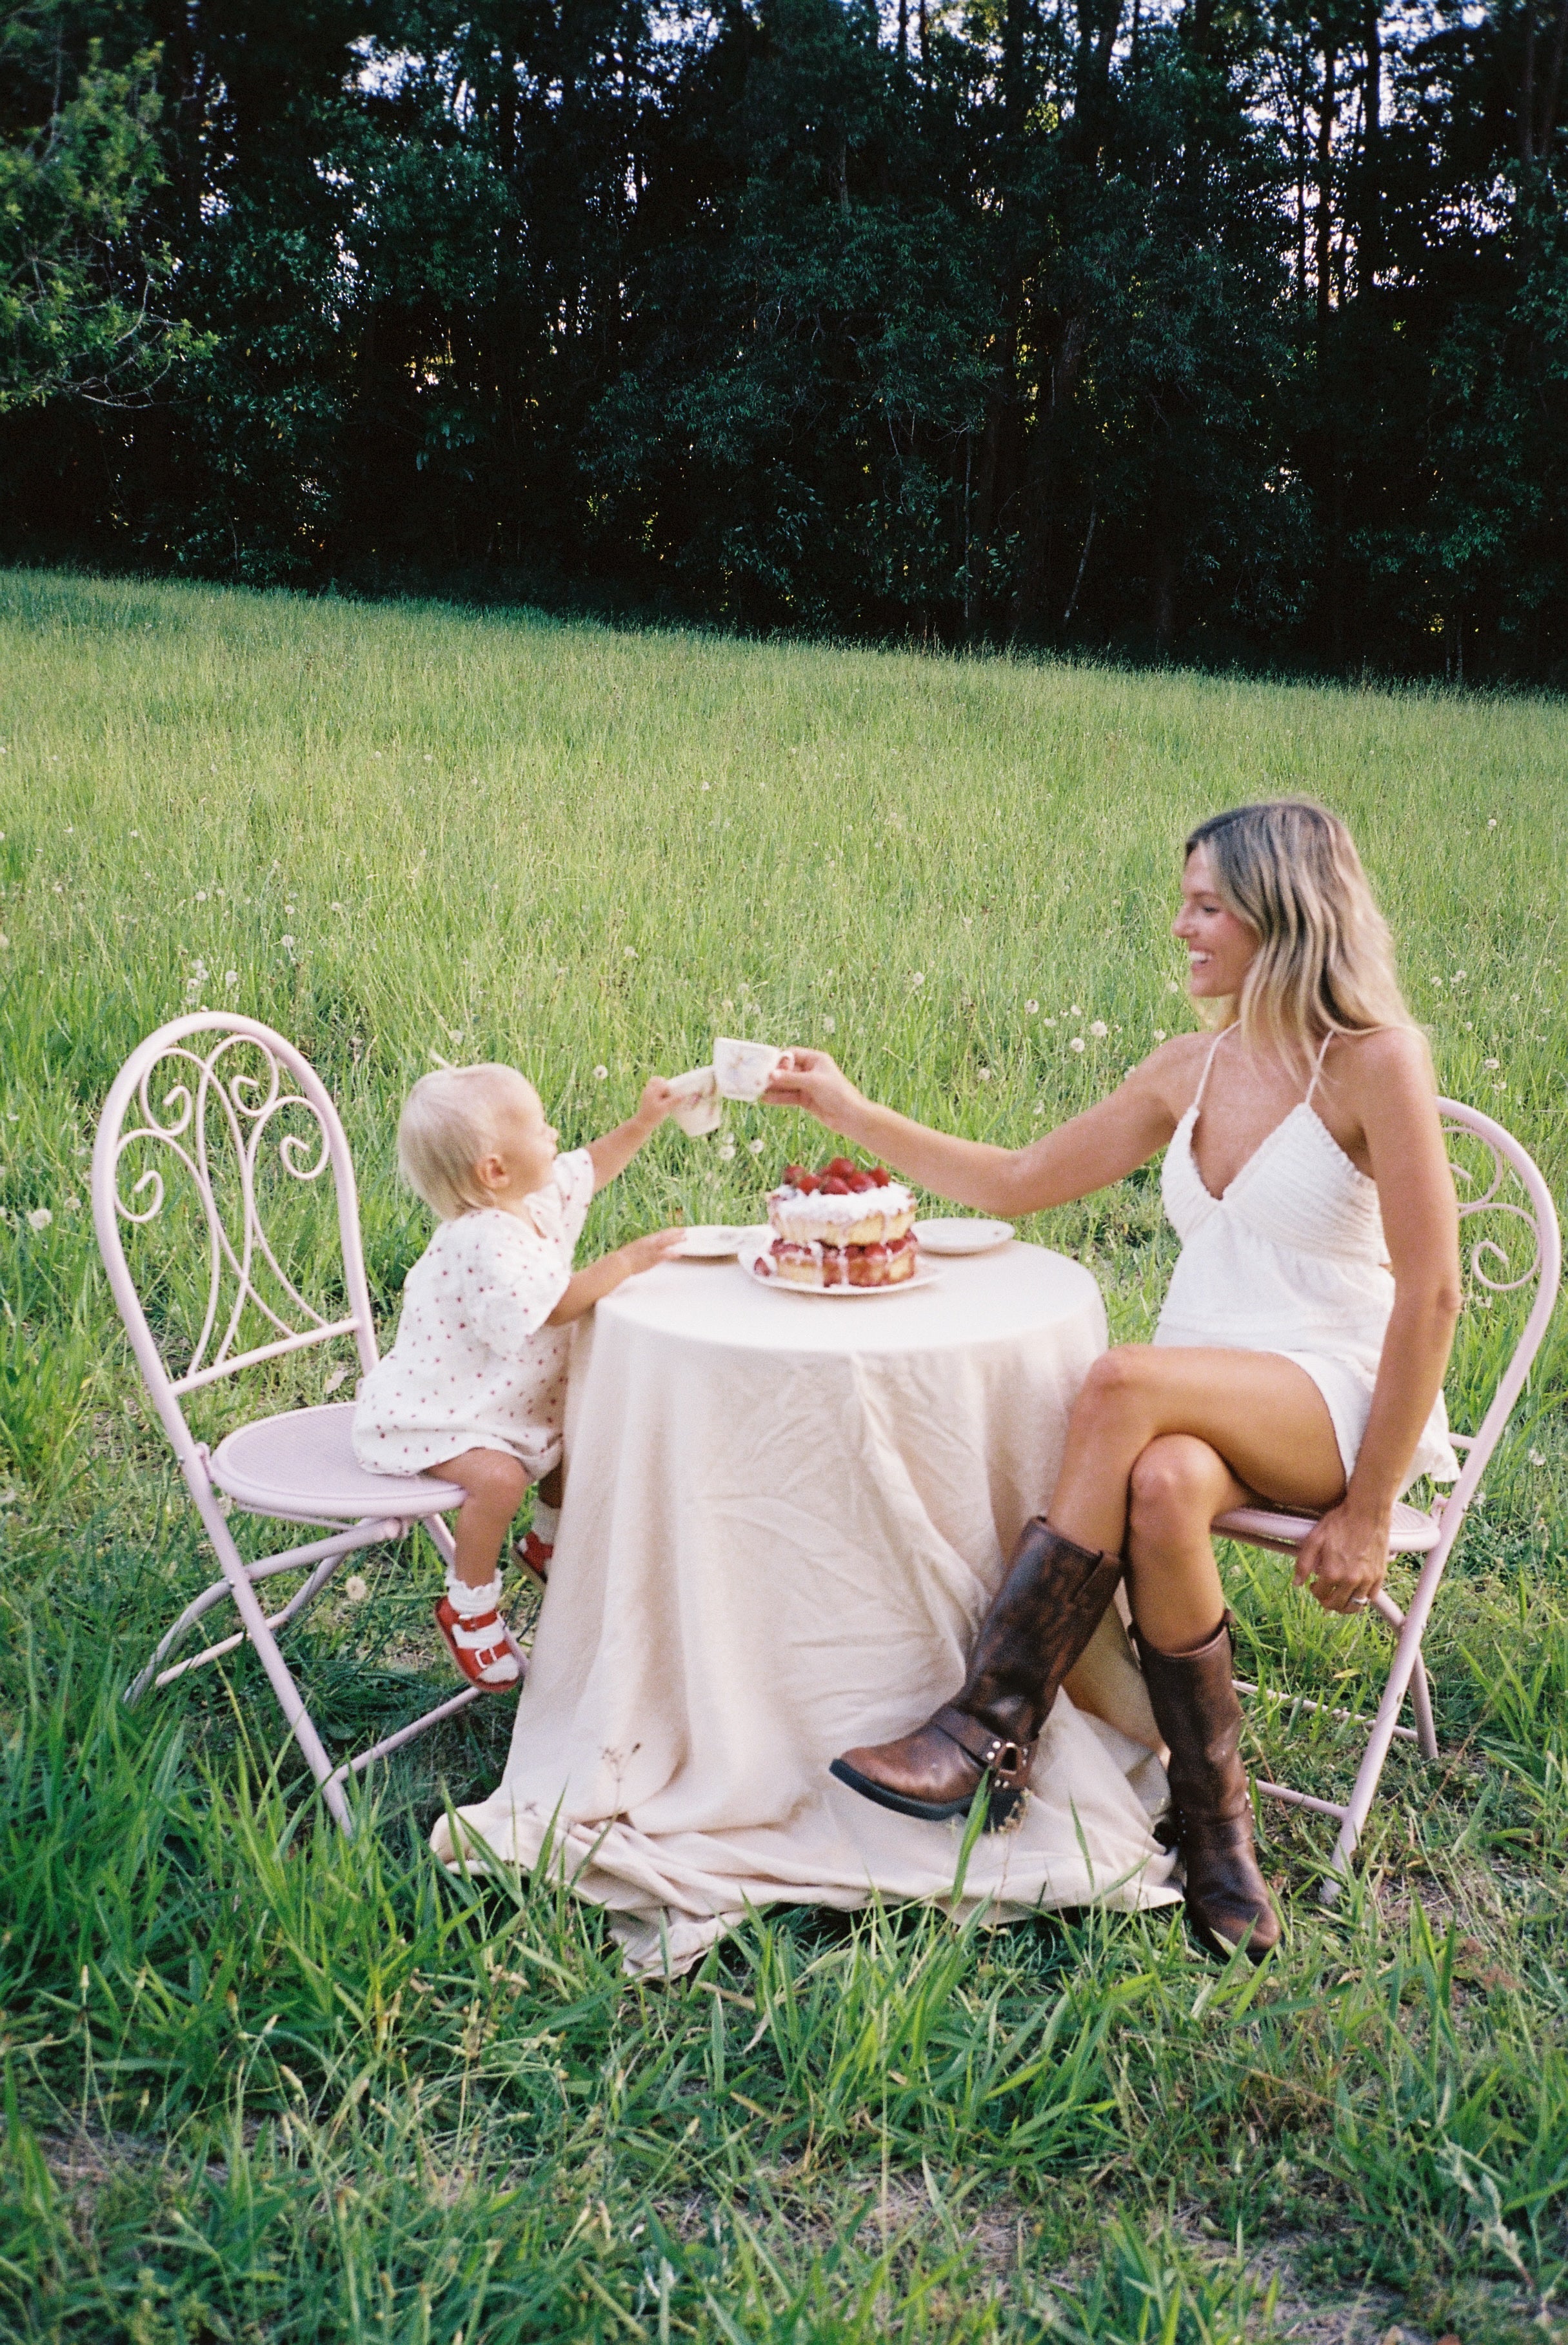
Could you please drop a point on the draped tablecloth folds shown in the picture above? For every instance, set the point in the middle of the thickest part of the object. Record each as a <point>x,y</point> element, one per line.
<point>785,1514</point>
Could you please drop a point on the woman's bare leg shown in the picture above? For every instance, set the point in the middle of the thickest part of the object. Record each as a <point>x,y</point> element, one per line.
<point>1165,1437</point>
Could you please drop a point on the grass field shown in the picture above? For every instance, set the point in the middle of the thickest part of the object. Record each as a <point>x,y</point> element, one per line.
<point>264,2085</point>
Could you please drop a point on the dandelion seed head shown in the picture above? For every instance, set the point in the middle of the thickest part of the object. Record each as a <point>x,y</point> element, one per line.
<point>231,977</point>
<point>985,1074</point>
<point>830,1025</point>
<point>1099,1029</point>
<point>1030,1008</point>
<point>601,1074</point>
<point>1077,1044</point>
<point>919,978</point>
<point>755,1146</point>
<point>72,1204</point>
<point>355,1588</point>
<point>39,1218</point>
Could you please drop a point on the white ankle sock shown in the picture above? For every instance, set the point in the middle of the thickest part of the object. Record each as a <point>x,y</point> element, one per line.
<point>470,1603</point>
<point>546,1522</point>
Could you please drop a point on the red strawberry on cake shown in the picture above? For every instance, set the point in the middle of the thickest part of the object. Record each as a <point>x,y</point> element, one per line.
<point>846,1225</point>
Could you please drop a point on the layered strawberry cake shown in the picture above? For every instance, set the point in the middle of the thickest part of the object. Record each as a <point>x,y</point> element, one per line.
<point>847,1225</point>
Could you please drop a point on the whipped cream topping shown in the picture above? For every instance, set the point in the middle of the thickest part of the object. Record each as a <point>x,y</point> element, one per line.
<point>845,1212</point>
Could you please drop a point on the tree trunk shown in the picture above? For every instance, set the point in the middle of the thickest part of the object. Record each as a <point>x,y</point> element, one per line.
<point>1370,258</point>
<point>1323,256</point>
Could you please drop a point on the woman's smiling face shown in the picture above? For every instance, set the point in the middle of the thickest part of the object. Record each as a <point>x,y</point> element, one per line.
<point>1219,947</point>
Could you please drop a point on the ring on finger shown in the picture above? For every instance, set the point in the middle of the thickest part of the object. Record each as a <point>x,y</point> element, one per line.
<point>1360,1603</point>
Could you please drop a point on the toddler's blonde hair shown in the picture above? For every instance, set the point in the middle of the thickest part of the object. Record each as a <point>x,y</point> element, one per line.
<point>449,1122</point>
<point>1325,960</point>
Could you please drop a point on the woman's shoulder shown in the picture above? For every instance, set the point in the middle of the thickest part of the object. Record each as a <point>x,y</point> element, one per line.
<point>1174,1069</point>
<point>1366,1063</point>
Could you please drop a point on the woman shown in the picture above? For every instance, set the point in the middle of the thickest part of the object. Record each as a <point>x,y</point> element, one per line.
<point>1299,1359</point>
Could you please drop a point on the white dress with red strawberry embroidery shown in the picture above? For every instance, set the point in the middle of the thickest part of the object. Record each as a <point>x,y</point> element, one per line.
<point>474,1365</point>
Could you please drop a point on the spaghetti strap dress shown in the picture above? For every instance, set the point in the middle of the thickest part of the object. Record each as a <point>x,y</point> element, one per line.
<point>1291,1259</point>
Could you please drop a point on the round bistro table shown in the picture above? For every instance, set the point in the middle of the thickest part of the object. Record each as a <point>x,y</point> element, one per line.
<point>786,1514</point>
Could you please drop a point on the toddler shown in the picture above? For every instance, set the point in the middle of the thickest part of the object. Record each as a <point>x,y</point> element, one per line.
<point>474,1388</point>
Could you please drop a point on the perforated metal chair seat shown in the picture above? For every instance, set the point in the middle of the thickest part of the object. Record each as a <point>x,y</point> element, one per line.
<point>300,1466</point>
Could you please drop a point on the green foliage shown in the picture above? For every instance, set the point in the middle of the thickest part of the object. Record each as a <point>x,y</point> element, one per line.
<point>1233,330</point>
<point>77,279</point>
<point>262,2083</point>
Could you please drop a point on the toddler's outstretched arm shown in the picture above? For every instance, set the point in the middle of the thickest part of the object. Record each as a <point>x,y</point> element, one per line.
<point>587,1287</point>
<point>615,1150</point>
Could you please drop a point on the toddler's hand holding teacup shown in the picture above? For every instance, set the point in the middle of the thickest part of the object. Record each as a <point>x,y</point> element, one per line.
<point>659,1100</point>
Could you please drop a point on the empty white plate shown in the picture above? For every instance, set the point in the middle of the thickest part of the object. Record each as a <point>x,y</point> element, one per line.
<point>954,1235</point>
<point>714,1241</point>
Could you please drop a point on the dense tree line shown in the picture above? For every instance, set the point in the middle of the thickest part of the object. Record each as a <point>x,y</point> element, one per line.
<point>1237,328</point>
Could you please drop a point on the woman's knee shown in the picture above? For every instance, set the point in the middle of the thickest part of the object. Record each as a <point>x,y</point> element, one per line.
<point>1172,1486</point>
<point>1117,1382</point>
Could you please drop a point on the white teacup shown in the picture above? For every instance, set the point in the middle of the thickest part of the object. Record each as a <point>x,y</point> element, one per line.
<point>744,1070</point>
<point>701,1110</point>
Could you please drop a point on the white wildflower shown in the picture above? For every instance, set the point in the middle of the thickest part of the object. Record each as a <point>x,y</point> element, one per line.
<point>1171,986</point>
<point>1458,978</point>
<point>201,895</point>
<point>1030,1008</point>
<point>985,1074</point>
<point>288,944</point>
<point>1159,1033</point>
<point>1492,1065</point>
<point>72,1204</point>
<point>39,1218</point>
<point>1492,822</point>
<point>726,1151</point>
<point>1099,1029</point>
<point>334,908</point>
<point>601,1074</point>
<point>1039,1107</point>
<point>231,977</point>
<point>1536,1458</point>
<point>629,953</point>
<point>1050,1022</point>
<point>1077,1044</point>
<point>355,1588</point>
<point>829,1025</point>
<point>755,1146</point>
<point>1074,1011</point>
<point>918,976</point>
<point>290,908</point>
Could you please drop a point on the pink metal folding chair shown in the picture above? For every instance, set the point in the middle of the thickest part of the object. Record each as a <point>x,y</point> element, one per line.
<point>1515,1212</point>
<point>235,1115</point>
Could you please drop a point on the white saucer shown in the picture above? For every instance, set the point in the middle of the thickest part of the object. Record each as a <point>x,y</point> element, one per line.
<point>956,1234</point>
<point>757,1244</point>
<point>716,1241</point>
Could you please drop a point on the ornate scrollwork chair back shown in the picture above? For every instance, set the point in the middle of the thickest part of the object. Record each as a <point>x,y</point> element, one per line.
<point>213,1153</point>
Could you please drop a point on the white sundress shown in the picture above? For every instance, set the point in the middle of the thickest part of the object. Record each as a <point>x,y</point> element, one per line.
<point>475,1365</point>
<point>1291,1259</point>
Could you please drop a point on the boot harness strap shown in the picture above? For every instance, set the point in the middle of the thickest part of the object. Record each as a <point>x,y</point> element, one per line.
<point>1007,1759</point>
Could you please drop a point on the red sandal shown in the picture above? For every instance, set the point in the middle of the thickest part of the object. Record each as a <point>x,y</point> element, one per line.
<point>534,1554</point>
<point>481,1645</point>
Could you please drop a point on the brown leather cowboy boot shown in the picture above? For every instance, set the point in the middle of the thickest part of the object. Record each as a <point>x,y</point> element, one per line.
<point>1044,1614</point>
<point>1196,1709</point>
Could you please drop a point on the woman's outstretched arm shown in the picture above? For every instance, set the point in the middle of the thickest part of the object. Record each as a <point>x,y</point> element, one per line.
<point>1105,1143</point>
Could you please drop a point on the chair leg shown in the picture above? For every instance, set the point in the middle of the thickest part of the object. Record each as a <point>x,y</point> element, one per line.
<point>1406,1662</point>
<point>291,1702</point>
<point>1421,1702</point>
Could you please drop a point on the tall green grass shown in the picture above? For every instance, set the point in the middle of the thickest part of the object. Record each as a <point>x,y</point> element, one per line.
<point>261,2083</point>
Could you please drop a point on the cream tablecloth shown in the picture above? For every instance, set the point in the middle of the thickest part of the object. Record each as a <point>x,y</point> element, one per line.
<point>784,1517</point>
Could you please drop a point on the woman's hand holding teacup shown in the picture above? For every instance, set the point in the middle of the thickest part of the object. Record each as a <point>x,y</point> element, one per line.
<point>812,1080</point>
<point>1344,1558</point>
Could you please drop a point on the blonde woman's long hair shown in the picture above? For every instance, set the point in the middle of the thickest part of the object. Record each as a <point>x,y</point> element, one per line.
<point>1325,960</point>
